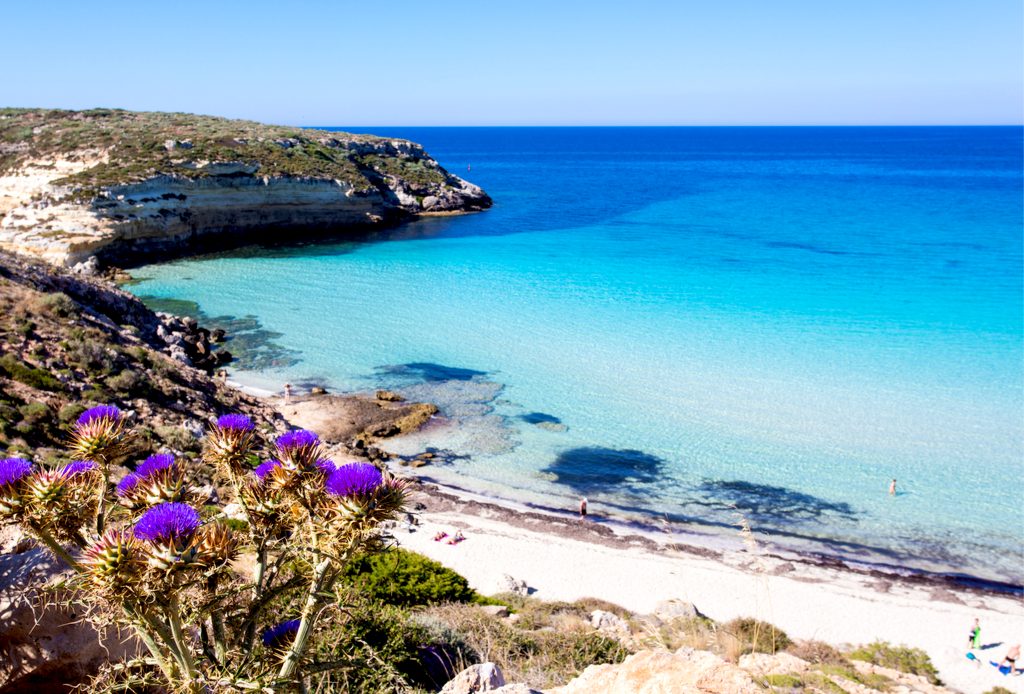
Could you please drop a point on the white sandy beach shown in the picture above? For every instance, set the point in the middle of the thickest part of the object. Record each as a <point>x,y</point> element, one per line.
<point>808,602</point>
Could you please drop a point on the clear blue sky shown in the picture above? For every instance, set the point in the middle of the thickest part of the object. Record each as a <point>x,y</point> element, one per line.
<point>497,62</point>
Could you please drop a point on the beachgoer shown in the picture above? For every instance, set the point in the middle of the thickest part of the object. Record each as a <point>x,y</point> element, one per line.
<point>287,392</point>
<point>892,488</point>
<point>457,538</point>
<point>1011,657</point>
<point>440,535</point>
<point>583,508</point>
<point>974,638</point>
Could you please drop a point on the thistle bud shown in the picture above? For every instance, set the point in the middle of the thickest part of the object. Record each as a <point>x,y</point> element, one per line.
<point>215,545</point>
<point>13,472</point>
<point>46,487</point>
<point>230,441</point>
<point>100,434</point>
<point>114,561</point>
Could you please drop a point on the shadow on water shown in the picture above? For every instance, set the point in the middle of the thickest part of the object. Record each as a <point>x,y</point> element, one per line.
<point>253,347</point>
<point>593,469</point>
<point>539,418</point>
<point>762,503</point>
<point>429,372</point>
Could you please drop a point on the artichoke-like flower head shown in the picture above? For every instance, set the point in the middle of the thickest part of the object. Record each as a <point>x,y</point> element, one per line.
<point>158,479</point>
<point>13,474</point>
<point>100,434</point>
<point>215,545</point>
<point>168,530</point>
<point>279,635</point>
<point>230,441</point>
<point>361,494</point>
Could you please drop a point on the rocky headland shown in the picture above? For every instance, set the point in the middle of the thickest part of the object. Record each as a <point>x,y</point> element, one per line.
<point>123,186</point>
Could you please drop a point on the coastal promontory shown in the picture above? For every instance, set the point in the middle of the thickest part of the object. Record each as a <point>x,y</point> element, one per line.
<point>126,186</point>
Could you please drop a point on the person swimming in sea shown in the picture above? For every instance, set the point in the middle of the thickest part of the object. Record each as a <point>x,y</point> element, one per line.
<point>892,488</point>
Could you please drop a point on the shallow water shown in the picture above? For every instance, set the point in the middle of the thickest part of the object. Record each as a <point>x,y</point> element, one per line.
<point>690,324</point>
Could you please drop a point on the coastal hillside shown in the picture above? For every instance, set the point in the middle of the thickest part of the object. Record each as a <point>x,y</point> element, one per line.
<point>122,185</point>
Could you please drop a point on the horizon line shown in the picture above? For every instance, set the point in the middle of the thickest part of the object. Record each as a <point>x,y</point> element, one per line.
<point>676,125</point>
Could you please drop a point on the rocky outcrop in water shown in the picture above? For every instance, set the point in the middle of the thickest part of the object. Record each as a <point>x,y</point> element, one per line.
<point>124,186</point>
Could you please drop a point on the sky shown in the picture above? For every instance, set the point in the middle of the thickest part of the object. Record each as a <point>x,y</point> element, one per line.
<point>525,62</point>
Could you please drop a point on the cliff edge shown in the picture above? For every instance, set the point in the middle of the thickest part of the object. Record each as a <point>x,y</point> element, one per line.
<point>126,186</point>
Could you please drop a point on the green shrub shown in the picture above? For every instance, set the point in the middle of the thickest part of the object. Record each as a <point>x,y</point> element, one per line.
<point>754,636</point>
<point>911,660</point>
<point>818,653</point>
<point>783,681</point>
<point>873,680</point>
<point>69,413</point>
<point>400,577</point>
<point>14,368</point>
<point>177,438</point>
<point>34,413</point>
<point>57,304</point>
<point>998,690</point>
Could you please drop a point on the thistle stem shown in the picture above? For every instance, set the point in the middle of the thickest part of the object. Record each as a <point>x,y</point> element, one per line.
<point>51,543</point>
<point>158,654</point>
<point>321,581</point>
<point>101,501</point>
<point>174,619</point>
<point>217,622</point>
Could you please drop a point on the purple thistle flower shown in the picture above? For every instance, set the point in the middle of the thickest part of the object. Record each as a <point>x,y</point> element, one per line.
<point>276,634</point>
<point>101,412</point>
<point>78,467</point>
<point>153,464</point>
<point>327,466</point>
<point>13,469</point>
<point>169,522</point>
<point>297,439</point>
<point>127,484</point>
<point>235,422</point>
<point>354,479</point>
<point>263,469</point>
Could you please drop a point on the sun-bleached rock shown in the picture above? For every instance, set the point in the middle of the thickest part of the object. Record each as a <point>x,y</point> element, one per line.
<point>44,643</point>
<point>482,677</point>
<point>773,664</point>
<point>686,671</point>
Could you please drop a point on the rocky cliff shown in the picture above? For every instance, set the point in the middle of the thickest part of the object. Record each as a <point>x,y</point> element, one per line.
<point>124,186</point>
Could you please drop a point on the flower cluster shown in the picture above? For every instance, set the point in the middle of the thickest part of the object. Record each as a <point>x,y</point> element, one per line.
<point>12,473</point>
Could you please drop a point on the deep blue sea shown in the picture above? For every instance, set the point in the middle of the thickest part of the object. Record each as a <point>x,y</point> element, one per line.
<point>689,326</point>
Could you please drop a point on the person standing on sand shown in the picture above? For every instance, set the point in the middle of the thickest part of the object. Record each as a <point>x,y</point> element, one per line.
<point>583,508</point>
<point>974,638</point>
<point>287,392</point>
<point>892,488</point>
<point>1011,657</point>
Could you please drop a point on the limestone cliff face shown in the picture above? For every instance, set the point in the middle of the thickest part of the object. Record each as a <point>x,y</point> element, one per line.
<point>131,198</point>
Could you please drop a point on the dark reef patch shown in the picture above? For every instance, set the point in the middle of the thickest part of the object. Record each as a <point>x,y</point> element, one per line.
<point>253,347</point>
<point>540,418</point>
<point>762,503</point>
<point>430,372</point>
<point>594,469</point>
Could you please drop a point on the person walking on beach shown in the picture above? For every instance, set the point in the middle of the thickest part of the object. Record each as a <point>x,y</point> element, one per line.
<point>974,638</point>
<point>287,392</point>
<point>583,508</point>
<point>892,488</point>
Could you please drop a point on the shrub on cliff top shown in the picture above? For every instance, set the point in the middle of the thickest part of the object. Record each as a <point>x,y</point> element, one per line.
<point>912,660</point>
<point>12,367</point>
<point>754,636</point>
<point>400,577</point>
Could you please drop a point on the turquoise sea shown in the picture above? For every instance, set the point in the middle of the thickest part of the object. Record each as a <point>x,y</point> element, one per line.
<point>689,326</point>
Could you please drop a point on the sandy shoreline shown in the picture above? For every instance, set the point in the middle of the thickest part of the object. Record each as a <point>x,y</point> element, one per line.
<point>563,559</point>
<point>810,597</point>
